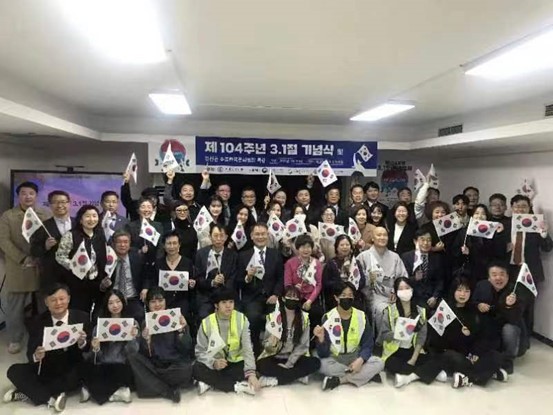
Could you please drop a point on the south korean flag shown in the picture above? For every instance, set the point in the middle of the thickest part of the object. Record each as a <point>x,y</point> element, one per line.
<point>173,280</point>
<point>111,261</point>
<point>81,262</point>
<point>203,220</point>
<point>326,174</point>
<point>364,153</point>
<point>149,233</point>
<point>163,321</point>
<point>239,236</point>
<point>255,263</point>
<point>115,329</point>
<point>276,227</point>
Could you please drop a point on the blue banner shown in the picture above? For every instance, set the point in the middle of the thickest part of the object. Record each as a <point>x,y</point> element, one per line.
<point>284,156</point>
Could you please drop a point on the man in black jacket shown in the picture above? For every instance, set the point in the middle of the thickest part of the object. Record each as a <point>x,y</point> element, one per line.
<point>45,244</point>
<point>49,375</point>
<point>501,310</point>
<point>260,278</point>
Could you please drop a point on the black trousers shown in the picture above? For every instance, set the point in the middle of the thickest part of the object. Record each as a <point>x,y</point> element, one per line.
<point>223,380</point>
<point>104,379</point>
<point>84,293</point>
<point>269,366</point>
<point>426,368</point>
<point>40,388</point>
<point>478,373</point>
<point>153,380</point>
<point>255,310</point>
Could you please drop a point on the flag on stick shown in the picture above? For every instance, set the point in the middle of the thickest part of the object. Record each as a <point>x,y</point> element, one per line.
<point>132,167</point>
<point>442,318</point>
<point>272,184</point>
<point>115,329</point>
<point>31,223</point>
<point>61,337</point>
<point>525,278</point>
<point>326,174</point>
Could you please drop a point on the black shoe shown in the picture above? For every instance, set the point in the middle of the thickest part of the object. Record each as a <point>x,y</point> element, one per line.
<point>376,378</point>
<point>174,395</point>
<point>509,367</point>
<point>330,382</point>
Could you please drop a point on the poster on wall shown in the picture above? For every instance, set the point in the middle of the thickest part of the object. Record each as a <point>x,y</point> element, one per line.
<point>222,155</point>
<point>83,188</point>
<point>394,176</point>
<point>184,150</point>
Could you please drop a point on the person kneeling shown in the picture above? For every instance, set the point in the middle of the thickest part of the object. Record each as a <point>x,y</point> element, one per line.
<point>344,343</point>
<point>286,343</point>
<point>164,363</point>
<point>224,354</point>
<point>404,357</point>
<point>49,375</point>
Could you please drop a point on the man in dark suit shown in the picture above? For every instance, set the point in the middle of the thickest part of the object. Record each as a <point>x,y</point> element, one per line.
<point>130,276</point>
<point>332,198</point>
<point>260,290</point>
<point>110,203</point>
<point>45,244</point>
<point>215,267</point>
<point>427,274</point>
<point>303,198</point>
<point>49,375</point>
<point>161,213</point>
<point>372,191</point>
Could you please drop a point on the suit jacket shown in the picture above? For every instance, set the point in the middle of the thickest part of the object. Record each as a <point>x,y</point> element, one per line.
<point>163,213</point>
<point>50,270</point>
<point>229,261</point>
<point>272,282</point>
<point>142,276</point>
<point>433,284</point>
<point>405,243</point>
<point>138,242</point>
<point>16,248</point>
<point>56,362</point>
<point>120,221</point>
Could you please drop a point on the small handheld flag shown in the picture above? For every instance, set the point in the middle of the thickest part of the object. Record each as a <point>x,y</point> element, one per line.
<point>203,220</point>
<point>353,231</point>
<point>111,261</point>
<point>148,232</point>
<point>330,231</point>
<point>173,280</point>
<point>482,228</point>
<point>163,321</point>
<point>115,329</point>
<point>433,180</point>
<point>442,318</point>
<point>273,323</point>
<point>294,227</point>
<point>60,337</point>
<point>333,326</point>
<point>419,180</point>
<point>169,161</point>
<point>529,223</point>
<point>132,167</point>
<point>276,227</point>
<point>239,236</point>
<point>326,174</point>
<point>525,278</point>
<point>405,328</point>
<point>447,224</point>
<point>31,223</point>
<point>81,262</point>
<point>272,184</point>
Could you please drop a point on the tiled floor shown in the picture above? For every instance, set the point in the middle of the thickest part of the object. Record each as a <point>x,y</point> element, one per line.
<point>528,391</point>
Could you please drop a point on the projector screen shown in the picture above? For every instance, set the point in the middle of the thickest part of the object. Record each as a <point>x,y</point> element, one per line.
<point>83,187</point>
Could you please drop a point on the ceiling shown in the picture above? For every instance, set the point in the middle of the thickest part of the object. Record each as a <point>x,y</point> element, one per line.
<point>280,62</point>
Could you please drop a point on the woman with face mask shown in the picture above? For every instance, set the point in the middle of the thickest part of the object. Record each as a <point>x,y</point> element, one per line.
<point>344,343</point>
<point>404,357</point>
<point>284,359</point>
<point>467,355</point>
<point>473,253</point>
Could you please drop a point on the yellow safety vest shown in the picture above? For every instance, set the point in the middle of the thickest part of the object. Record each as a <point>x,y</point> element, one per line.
<point>278,346</point>
<point>389,347</point>
<point>236,325</point>
<point>357,325</point>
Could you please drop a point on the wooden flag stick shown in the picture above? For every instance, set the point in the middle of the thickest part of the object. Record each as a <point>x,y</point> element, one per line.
<point>48,233</point>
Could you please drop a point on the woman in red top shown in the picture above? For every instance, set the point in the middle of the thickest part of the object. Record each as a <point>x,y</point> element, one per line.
<point>305,272</point>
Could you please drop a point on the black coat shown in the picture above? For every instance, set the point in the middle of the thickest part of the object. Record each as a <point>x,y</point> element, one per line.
<point>228,268</point>
<point>272,282</point>
<point>433,284</point>
<point>406,240</point>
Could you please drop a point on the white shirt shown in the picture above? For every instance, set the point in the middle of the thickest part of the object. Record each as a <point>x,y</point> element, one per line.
<point>64,319</point>
<point>257,251</point>
<point>63,224</point>
<point>397,233</point>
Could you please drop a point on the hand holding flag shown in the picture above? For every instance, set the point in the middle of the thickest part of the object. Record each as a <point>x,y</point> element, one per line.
<point>447,224</point>
<point>239,236</point>
<point>326,174</point>
<point>433,180</point>
<point>442,318</point>
<point>31,223</point>
<point>272,184</point>
<point>276,227</point>
<point>132,167</point>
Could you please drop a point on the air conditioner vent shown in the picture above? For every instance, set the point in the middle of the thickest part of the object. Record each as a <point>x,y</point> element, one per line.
<point>454,129</point>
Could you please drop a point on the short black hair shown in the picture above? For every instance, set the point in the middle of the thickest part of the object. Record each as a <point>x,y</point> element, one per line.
<point>219,226</point>
<point>304,239</point>
<point>153,293</point>
<point>28,185</point>
<point>247,189</point>
<point>371,185</point>
<point>329,188</point>
<point>222,294</point>
<point>405,189</point>
<point>421,232</point>
<point>55,193</point>
<point>466,189</point>
<point>434,189</point>
<point>259,224</point>
<point>464,198</point>
<point>499,196</point>
<point>119,233</point>
<point>520,198</point>
<point>354,187</point>
<point>55,287</point>
<point>149,192</point>
<point>303,187</point>
<point>339,287</point>
<point>108,193</point>
<point>171,234</point>
<point>498,264</point>
<point>144,199</point>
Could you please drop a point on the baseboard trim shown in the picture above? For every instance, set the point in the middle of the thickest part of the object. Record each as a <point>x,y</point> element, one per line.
<point>543,339</point>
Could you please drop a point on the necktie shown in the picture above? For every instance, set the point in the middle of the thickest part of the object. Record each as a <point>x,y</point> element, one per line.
<point>424,266</point>
<point>262,257</point>
<point>218,262</point>
<point>59,323</point>
<point>254,214</point>
<point>517,249</point>
<point>122,283</point>
<point>227,214</point>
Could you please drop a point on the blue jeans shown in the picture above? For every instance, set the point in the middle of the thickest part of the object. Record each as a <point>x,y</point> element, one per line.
<point>514,340</point>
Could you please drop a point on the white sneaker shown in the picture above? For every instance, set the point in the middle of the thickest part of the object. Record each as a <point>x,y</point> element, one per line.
<point>442,376</point>
<point>267,381</point>
<point>304,380</point>
<point>244,387</point>
<point>460,380</point>
<point>402,380</point>
<point>123,394</point>
<point>59,402</point>
<point>13,395</point>
<point>85,395</point>
<point>501,375</point>
<point>203,387</point>
<point>14,348</point>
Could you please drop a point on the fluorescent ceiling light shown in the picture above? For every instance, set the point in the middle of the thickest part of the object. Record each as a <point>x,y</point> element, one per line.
<point>527,56</point>
<point>125,30</point>
<point>382,111</point>
<point>174,104</point>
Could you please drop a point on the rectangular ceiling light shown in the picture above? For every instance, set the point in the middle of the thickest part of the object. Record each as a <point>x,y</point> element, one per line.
<point>382,111</point>
<point>174,104</point>
<point>527,56</point>
<point>125,30</point>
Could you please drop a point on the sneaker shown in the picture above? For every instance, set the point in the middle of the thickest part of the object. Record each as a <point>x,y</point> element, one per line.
<point>267,381</point>
<point>244,387</point>
<point>58,402</point>
<point>14,348</point>
<point>509,367</point>
<point>85,395</point>
<point>304,380</point>
<point>13,395</point>
<point>501,375</point>
<point>174,395</point>
<point>376,378</point>
<point>330,382</point>
<point>123,394</point>
<point>460,380</point>
<point>442,376</point>
<point>202,387</point>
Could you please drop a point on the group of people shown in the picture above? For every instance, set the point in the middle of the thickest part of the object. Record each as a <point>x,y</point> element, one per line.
<point>336,303</point>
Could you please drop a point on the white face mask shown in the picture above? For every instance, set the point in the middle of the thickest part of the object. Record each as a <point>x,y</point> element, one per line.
<point>405,295</point>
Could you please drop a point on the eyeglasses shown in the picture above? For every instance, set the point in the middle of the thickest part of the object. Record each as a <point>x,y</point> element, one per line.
<point>181,210</point>
<point>60,202</point>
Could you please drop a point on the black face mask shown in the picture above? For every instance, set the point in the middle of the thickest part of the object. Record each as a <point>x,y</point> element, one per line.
<point>346,303</point>
<point>291,304</point>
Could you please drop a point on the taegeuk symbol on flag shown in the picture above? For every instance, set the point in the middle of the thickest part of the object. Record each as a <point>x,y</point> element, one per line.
<point>115,329</point>
<point>60,337</point>
<point>447,224</point>
<point>405,328</point>
<point>163,321</point>
<point>273,323</point>
<point>81,262</point>
<point>173,280</point>
<point>442,318</point>
<point>149,233</point>
<point>529,223</point>
<point>330,231</point>
<point>111,261</point>
<point>482,228</point>
<point>132,167</point>
<point>203,220</point>
<point>276,227</point>
<point>525,278</point>
<point>31,223</point>
<point>326,174</point>
<point>239,236</point>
